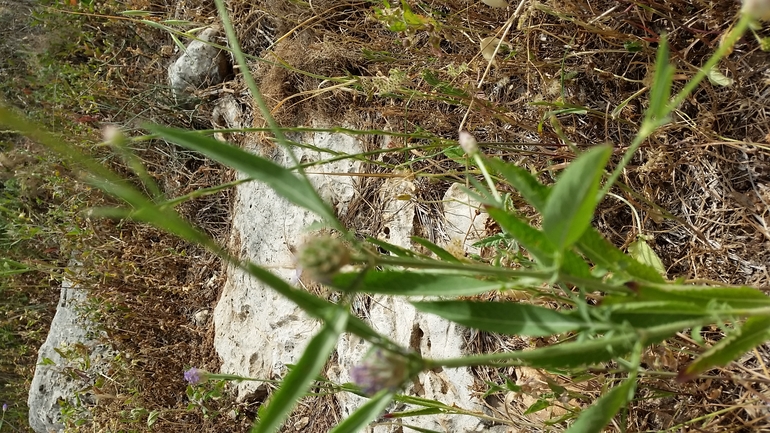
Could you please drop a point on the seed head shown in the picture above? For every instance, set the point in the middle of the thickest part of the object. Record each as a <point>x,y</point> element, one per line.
<point>323,256</point>
<point>757,9</point>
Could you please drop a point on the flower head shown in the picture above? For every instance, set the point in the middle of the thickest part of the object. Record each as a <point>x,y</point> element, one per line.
<point>757,9</point>
<point>5,407</point>
<point>323,256</point>
<point>468,143</point>
<point>195,376</point>
<point>380,370</point>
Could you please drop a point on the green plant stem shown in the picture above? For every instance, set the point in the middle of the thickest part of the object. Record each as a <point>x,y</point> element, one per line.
<point>255,93</point>
<point>648,127</point>
<point>480,162</point>
<point>646,336</point>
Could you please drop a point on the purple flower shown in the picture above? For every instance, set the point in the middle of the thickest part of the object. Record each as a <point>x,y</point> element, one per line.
<point>5,407</point>
<point>195,376</point>
<point>380,370</point>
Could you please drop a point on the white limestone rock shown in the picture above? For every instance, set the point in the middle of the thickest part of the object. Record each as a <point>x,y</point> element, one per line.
<point>200,66</point>
<point>465,219</point>
<point>60,378</point>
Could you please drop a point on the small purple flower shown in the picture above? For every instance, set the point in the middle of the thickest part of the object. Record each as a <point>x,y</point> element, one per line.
<point>380,370</point>
<point>195,376</point>
<point>5,407</point>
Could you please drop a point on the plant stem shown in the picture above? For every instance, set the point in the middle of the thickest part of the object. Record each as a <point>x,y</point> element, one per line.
<point>648,127</point>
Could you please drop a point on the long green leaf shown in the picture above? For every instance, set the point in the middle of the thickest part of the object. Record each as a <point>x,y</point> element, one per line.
<point>575,353</point>
<point>648,314</point>
<point>503,317</point>
<point>754,332</point>
<point>528,186</point>
<point>596,417</point>
<point>660,90</point>
<point>572,201</point>
<point>705,297</point>
<point>365,414</point>
<point>435,249</point>
<point>290,186</point>
<point>415,283</point>
<point>608,256</point>
<point>299,379</point>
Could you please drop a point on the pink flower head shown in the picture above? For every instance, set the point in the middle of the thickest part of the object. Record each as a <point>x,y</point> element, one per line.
<point>195,376</point>
<point>380,370</point>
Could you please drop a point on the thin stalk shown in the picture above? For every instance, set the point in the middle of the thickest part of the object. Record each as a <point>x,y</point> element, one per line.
<point>648,127</point>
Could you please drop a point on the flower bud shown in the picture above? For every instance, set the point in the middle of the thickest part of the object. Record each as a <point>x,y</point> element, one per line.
<point>757,9</point>
<point>195,376</point>
<point>380,370</point>
<point>323,256</point>
<point>468,143</point>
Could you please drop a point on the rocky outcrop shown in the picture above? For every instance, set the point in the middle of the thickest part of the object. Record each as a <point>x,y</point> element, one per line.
<point>67,364</point>
<point>257,332</point>
<point>201,65</point>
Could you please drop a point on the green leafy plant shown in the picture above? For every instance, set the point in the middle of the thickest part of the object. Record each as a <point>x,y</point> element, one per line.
<point>573,265</point>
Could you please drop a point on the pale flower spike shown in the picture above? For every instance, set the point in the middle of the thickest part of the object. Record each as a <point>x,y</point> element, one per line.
<point>468,143</point>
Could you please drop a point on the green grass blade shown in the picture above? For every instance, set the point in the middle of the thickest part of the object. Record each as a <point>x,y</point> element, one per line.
<point>572,201</point>
<point>660,90</point>
<point>393,249</point>
<point>503,317</point>
<point>290,186</point>
<point>534,192</point>
<point>410,283</point>
<point>435,249</point>
<point>365,414</point>
<point>296,383</point>
<point>754,332</point>
<point>596,417</point>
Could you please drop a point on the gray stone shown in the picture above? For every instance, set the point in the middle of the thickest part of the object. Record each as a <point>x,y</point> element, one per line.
<point>200,66</point>
<point>67,363</point>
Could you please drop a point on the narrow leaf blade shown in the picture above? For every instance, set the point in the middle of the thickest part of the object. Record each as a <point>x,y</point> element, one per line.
<point>534,192</point>
<point>365,414</point>
<point>503,317</point>
<point>299,379</point>
<point>596,417</point>
<point>435,249</point>
<point>281,179</point>
<point>754,332</point>
<point>572,201</point>
<point>604,254</point>
<point>416,283</point>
